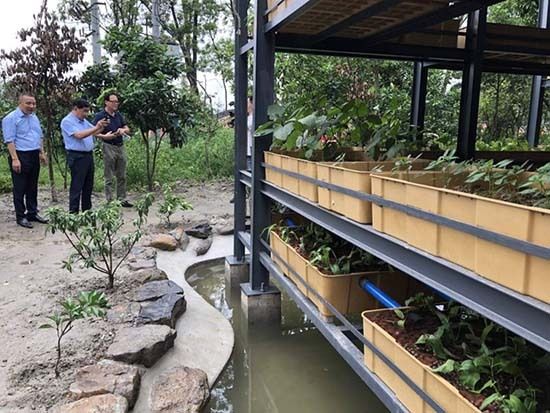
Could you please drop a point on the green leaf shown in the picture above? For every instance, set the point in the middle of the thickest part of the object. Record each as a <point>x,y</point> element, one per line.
<point>489,400</point>
<point>275,111</point>
<point>282,133</point>
<point>448,367</point>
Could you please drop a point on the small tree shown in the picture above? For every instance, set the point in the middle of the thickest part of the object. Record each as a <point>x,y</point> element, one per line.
<point>152,103</point>
<point>43,66</point>
<point>94,235</point>
<point>87,304</point>
<point>171,204</point>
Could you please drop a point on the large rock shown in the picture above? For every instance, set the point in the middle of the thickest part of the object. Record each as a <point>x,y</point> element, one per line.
<point>203,246</point>
<point>184,241</point>
<point>177,233</point>
<point>142,253</point>
<point>105,403</point>
<point>156,289</point>
<point>124,313</point>
<point>149,274</point>
<point>164,242</point>
<point>180,390</point>
<point>141,345</point>
<point>142,264</point>
<point>105,377</point>
<point>165,310</point>
<point>201,231</point>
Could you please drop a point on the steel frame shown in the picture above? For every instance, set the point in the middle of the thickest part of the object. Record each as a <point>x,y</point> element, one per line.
<point>527,317</point>
<point>471,84</point>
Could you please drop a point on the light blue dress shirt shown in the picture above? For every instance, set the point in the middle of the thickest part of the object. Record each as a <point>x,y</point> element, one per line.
<point>22,130</point>
<point>69,126</point>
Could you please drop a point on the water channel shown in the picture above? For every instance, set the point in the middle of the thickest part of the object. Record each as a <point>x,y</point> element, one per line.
<point>286,368</point>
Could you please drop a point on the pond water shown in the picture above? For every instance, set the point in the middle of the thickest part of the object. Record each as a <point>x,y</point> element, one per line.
<point>283,368</point>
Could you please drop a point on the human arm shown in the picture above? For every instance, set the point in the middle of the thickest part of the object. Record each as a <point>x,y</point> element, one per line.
<point>84,133</point>
<point>15,163</point>
<point>8,130</point>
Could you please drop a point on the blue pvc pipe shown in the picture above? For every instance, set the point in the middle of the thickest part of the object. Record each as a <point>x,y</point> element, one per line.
<point>378,294</point>
<point>290,223</point>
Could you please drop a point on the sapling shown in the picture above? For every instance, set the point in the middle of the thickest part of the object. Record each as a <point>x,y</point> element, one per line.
<point>94,235</point>
<point>171,203</point>
<point>86,305</point>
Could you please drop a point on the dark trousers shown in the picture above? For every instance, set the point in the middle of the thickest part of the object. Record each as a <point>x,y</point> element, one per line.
<point>25,184</point>
<point>81,165</point>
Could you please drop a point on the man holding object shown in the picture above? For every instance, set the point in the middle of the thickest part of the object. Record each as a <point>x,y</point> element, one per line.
<point>114,155</point>
<point>23,136</point>
<point>78,136</point>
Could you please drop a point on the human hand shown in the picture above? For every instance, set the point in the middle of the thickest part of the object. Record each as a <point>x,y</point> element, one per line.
<point>102,123</point>
<point>16,165</point>
<point>43,158</point>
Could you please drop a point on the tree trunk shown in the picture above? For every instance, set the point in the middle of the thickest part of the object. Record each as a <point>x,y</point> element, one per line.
<point>49,150</point>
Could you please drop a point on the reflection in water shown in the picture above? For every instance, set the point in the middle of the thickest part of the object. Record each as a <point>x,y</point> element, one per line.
<point>286,368</point>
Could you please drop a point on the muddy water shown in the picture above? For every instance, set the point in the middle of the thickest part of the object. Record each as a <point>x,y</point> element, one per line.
<point>286,368</point>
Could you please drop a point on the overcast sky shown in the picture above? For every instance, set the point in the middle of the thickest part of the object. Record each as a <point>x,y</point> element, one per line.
<point>17,15</point>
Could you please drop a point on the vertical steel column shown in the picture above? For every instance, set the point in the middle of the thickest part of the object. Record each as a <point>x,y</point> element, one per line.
<point>419,92</point>
<point>241,95</point>
<point>537,88</point>
<point>264,84</point>
<point>471,84</point>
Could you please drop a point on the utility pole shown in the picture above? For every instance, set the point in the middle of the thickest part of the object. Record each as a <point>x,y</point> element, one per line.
<point>155,19</point>
<point>96,46</point>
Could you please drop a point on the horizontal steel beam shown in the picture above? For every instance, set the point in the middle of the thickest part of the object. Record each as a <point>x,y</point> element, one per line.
<point>247,47</point>
<point>244,237</point>
<point>290,13</point>
<point>520,314</point>
<point>245,178</point>
<point>430,19</point>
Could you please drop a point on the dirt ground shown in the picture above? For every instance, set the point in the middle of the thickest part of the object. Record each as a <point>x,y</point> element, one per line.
<point>32,282</point>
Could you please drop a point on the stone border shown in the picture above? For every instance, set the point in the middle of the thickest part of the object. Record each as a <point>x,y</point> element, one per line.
<point>205,337</point>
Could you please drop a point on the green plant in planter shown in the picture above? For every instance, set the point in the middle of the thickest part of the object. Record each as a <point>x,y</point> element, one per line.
<point>487,174</point>
<point>86,305</point>
<point>447,164</point>
<point>484,357</point>
<point>405,164</point>
<point>538,187</point>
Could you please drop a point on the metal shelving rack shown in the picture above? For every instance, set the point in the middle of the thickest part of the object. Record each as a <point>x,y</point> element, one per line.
<point>523,315</point>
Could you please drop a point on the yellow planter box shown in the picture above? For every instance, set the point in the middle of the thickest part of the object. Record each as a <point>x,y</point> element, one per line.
<point>291,184</point>
<point>435,386</point>
<point>354,176</point>
<point>521,272</point>
<point>342,291</point>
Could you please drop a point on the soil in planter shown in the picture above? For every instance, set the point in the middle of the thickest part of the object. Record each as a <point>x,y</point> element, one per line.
<point>408,337</point>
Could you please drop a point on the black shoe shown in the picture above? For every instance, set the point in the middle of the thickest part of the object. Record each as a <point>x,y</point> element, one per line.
<point>126,204</point>
<point>38,218</point>
<point>232,201</point>
<point>24,222</point>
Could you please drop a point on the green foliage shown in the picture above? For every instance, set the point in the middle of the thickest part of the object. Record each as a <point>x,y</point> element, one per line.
<point>43,65</point>
<point>95,80</point>
<point>94,235</point>
<point>86,305</point>
<point>171,203</point>
<point>538,187</point>
<point>152,102</point>
<point>485,358</point>
<point>329,253</point>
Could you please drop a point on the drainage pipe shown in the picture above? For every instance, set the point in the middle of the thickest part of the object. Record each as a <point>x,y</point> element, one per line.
<point>378,294</point>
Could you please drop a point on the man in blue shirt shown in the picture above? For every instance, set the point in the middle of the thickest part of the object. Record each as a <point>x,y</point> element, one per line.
<point>78,136</point>
<point>23,136</point>
<point>114,155</point>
